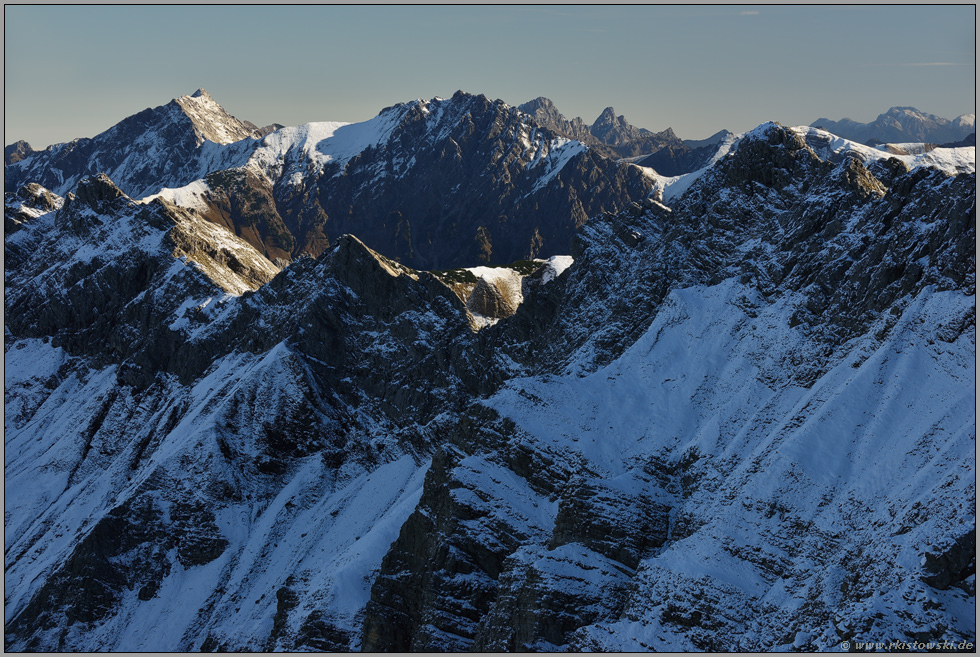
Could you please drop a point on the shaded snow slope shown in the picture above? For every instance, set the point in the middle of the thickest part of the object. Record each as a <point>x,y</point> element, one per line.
<point>828,146</point>
<point>724,399</point>
<point>799,491</point>
<point>435,184</point>
<point>744,421</point>
<point>347,519</point>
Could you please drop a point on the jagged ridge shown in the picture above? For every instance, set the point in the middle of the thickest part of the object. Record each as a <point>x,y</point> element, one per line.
<point>339,462</point>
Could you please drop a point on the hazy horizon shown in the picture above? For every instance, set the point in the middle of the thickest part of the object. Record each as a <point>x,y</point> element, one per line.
<point>75,71</point>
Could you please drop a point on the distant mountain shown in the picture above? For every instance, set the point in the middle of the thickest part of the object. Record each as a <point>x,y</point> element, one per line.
<point>610,135</point>
<point>166,146</point>
<point>628,140</point>
<point>743,422</point>
<point>902,125</point>
<point>548,116</point>
<point>434,184</point>
<point>614,137</point>
<point>695,154</point>
<point>16,152</point>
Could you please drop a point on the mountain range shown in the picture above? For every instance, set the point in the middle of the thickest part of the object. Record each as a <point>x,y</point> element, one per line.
<point>434,184</point>
<point>903,125</point>
<point>579,404</point>
<point>613,136</point>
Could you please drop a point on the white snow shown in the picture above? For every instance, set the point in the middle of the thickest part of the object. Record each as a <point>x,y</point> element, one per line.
<point>330,533</point>
<point>950,160</point>
<point>560,152</point>
<point>884,431</point>
<point>672,187</point>
<point>555,266</point>
<point>191,196</point>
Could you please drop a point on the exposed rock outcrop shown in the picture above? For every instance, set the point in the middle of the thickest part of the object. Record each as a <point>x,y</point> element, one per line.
<point>336,460</point>
<point>159,147</point>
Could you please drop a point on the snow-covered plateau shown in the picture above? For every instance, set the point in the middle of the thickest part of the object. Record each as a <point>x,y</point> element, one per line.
<point>738,415</point>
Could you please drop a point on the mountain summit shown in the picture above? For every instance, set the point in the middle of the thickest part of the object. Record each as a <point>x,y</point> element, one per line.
<point>610,135</point>
<point>902,125</point>
<point>212,122</point>
<point>434,184</point>
<point>166,146</point>
<point>745,421</point>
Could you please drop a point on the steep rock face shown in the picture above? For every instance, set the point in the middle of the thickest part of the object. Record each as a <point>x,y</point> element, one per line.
<point>205,413</point>
<point>684,501</point>
<point>484,496</point>
<point>629,140</point>
<point>16,152</point>
<point>337,461</point>
<point>434,185</point>
<point>609,135</point>
<point>73,275</point>
<point>30,201</point>
<point>547,115</point>
<point>166,146</point>
<point>902,124</point>
<point>774,212</point>
<point>496,297</point>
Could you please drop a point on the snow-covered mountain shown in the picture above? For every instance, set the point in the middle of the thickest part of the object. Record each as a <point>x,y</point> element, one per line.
<point>614,137</point>
<point>438,184</point>
<point>610,135</point>
<point>903,124</point>
<point>170,145</point>
<point>739,416</point>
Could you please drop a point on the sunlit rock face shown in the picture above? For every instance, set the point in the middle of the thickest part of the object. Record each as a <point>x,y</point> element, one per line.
<point>741,417</point>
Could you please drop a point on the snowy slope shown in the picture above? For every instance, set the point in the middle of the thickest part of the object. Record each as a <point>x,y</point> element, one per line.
<point>435,184</point>
<point>166,146</point>
<point>743,421</point>
<point>721,408</point>
<point>823,457</point>
<point>828,146</point>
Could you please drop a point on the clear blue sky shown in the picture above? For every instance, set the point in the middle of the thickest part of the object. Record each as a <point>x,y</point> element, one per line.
<point>75,71</point>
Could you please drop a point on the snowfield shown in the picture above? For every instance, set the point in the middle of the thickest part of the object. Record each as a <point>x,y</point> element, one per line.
<point>887,432</point>
<point>962,159</point>
<point>740,419</point>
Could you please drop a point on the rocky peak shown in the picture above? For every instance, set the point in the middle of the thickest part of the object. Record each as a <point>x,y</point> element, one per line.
<point>628,140</point>
<point>354,259</point>
<point>606,123</point>
<point>156,148</point>
<point>379,282</point>
<point>610,135</point>
<point>211,121</point>
<point>901,124</point>
<point>545,114</point>
<point>98,188</point>
<point>607,117</point>
<point>36,196</point>
<point>97,193</point>
<point>540,104</point>
<point>16,152</point>
<point>28,203</point>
